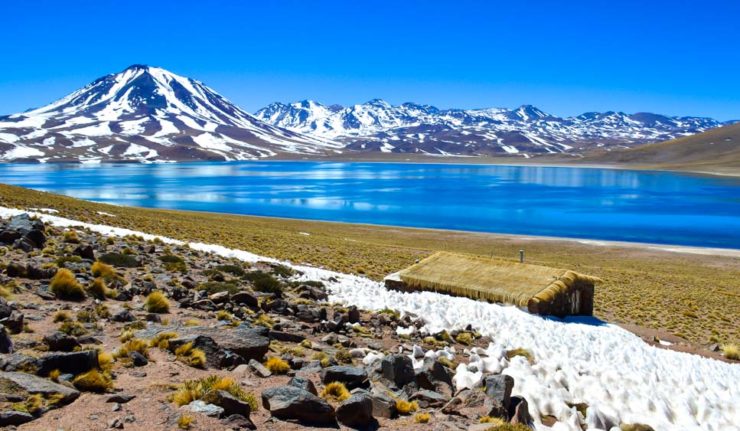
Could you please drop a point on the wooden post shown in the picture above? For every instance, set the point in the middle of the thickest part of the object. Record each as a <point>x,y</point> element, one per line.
<point>521,256</point>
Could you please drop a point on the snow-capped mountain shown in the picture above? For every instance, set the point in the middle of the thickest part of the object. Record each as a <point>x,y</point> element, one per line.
<point>146,114</point>
<point>524,131</point>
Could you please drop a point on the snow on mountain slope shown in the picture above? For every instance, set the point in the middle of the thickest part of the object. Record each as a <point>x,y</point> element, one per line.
<point>412,128</point>
<point>147,114</point>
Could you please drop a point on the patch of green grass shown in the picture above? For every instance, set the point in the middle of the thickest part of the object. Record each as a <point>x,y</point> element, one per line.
<point>218,286</point>
<point>120,260</point>
<point>264,282</point>
<point>174,263</point>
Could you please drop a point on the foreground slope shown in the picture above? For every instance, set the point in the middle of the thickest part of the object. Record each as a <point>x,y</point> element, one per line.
<point>716,150</point>
<point>145,114</point>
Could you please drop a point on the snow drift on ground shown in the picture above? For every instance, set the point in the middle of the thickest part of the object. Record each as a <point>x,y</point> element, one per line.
<point>622,379</point>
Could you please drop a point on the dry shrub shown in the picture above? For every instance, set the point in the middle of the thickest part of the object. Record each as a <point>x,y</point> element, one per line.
<point>64,285</point>
<point>335,391</point>
<point>157,302</point>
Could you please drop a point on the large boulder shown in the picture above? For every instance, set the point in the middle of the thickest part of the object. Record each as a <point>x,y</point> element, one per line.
<point>352,377</point>
<point>68,363</point>
<point>303,383</point>
<point>434,376</point>
<point>231,404</point>
<point>12,383</point>
<point>292,403</point>
<point>498,390</point>
<point>24,232</point>
<point>14,417</point>
<point>356,412</point>
<point>397,370</point>
<point>59,341</point>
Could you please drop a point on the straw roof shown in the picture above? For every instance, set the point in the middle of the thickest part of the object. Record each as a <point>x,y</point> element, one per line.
<point>491,279</point>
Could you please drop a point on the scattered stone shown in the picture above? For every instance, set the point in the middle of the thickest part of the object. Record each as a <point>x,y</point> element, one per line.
<point>356,412</point>
<point>6,343</point>
<point>303,383</point>
<point>230,404</point>
<point>259,369</point>
<point>123,316</point>
<point>31,384</point>
<point>498,389</point>
<point>14,322</point>
<point>73,362</point>
<point>59,341</point>
<point>237,422</point>
<point>138,359</point>
<point>352,377</point>
<point>115,423</point>
<point>120,398</point>
<point>290,402</point>
<point>202,407</point>
<point>244,298</point>
<point>397,369</point>
<point>85,252</point>
<point>427,398</point>
<point>13,417</point>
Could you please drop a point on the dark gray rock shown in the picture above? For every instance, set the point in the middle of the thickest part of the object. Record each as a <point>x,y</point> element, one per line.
<point>384,406</point>
<point>5,309</point>
<point>85,252</point>
<point>303,383</point>
<point>289,337</point>
<point>427,398</point>
<point>352,377</point>
<point>137,359</point>
<point>244,298</point>
<point>214,354</point>
<point>14,322</point>
<point>230,404</point>
<point>24,232</point>
<point>238,422</point>
<point>356,412</point>
<point>432,375</point>
<point>12,417</point>
<point>123,316</point>
<point>259,369</point>
<point>73,362</point>
<point>28,383</point>
<point>498,390</point>
<point>6,343</point>
<point>519,411</point>
<point>120,398</point>
<point>353,315</point>
<point>397,369</point>
<point>61,342</point>
<point>18,362</point>
<point>292,403</point>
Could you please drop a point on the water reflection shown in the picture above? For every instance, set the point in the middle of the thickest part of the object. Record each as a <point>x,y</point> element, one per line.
<point>589,203</point>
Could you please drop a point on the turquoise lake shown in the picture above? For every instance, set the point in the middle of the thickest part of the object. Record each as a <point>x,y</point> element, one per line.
<point>642,206</point>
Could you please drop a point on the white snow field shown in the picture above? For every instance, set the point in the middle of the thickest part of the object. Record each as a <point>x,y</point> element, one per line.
<point>621,378</point>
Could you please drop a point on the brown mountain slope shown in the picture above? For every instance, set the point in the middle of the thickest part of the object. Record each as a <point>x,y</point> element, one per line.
<point>715,151</point>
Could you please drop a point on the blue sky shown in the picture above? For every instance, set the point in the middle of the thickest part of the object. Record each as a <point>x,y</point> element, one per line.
<point>673,57</point>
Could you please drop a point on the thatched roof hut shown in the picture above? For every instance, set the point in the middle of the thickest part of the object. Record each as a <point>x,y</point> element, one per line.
<point>539,289</point>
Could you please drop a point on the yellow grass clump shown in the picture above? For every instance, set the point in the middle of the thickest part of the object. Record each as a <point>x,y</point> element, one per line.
<point>93,381</point>
<point>156,302</point>
<point>731,351</point>
<point>422,418</point>
<point>493,421</point>
<point>277,365</point>
<point>335,391</point>
<point>520,352</point>
<point>105,360</point>
<point>205,388</point>
<point>54,375</point>
<point>184,422</point>
<point>191,355</point>
<point>162,339</point>
<point>495,280</point>
<point>64,285</point>
<point>132,345</point>
<point>100,269</point>
<point>406,407</point>
<point>71,237</point>
<point>62,316</point>
<point>99,290</point>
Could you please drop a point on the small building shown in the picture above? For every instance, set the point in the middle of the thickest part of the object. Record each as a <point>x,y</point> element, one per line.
<point>538,289</point>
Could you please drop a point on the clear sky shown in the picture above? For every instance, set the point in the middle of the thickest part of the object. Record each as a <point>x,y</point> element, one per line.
<point>674,57</point>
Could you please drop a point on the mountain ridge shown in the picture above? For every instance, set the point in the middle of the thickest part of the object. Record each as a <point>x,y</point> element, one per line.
<point>523,131</point>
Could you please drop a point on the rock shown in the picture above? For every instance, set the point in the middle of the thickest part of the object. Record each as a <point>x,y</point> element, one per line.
<point>14,322</point>
<point>352,377</point>
<point>12,417</point>
<point>24,231</point>
<point>303,383</point>
<point>214,354</point>
<point>290,337</point>
<point>85,252</point>
<point>356,412</point>
<point>5,308</point>
<point>397,369</point>
<point>153,317</point>
<point>120,398</point>
<point>427,398</point>
<point>244,298</point>
<point>383,405</point>
<point>219,297</point>
<point>15,270</point>
<point>353,315</point>
<point>30,384</point>
<point>18,362</point>
<point>290,402</point>
<point>73,362</point>
<point>61,342</point>
<point>138,359</point>
<point>123,316</point>
<point>432,375</point>
<point>202,407</point>
<point>498,390</point>
<point>236,422</point>
<point>519,412</point>
<point>115,423</point>
<point>259,369</point>
<point>230,404</point>
<point>6,343</point>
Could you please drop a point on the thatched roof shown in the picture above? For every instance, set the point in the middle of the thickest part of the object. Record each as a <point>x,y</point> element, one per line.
<point>491,279</point>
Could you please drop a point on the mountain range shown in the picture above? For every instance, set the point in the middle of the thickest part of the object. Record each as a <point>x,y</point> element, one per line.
<point>149,114</point>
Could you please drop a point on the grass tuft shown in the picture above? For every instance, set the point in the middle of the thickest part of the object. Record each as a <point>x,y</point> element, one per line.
<point>422,418</point>
<point>731,351</point>
<point>406,407</point>
<point>156,302</point>
<point>205,388</point>
<point>64,285</point>
<point>93,381</point>
<point>277,365</point>
<point>335,391</point>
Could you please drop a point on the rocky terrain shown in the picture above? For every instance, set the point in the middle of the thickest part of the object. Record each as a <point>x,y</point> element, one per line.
<point>103,332</point>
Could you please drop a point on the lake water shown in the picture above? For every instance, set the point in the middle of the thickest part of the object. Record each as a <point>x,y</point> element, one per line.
<point>656,207</point>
